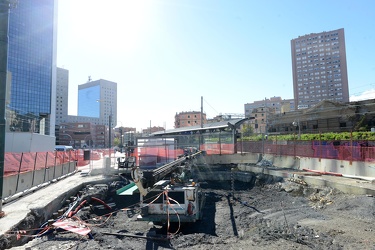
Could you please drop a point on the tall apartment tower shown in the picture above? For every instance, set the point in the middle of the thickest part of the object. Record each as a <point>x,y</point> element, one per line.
<point>62,95</point>
<point>31,65</point>
<point>319,68</point>
<point>98,99</point>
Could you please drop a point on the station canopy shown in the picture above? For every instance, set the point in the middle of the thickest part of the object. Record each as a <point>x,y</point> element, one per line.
<point>206,128</point>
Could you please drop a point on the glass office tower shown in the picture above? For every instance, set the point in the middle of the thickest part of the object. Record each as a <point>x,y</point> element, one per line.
<point>31,62</point>
<point>98,99</point>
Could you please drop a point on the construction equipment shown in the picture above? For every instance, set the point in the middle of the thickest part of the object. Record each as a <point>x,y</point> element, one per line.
<point>169,193</point>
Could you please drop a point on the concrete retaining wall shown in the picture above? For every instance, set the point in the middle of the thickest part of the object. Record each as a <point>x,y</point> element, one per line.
<point>352,168</point>
<point>232,159</point>
<point>24,181</point>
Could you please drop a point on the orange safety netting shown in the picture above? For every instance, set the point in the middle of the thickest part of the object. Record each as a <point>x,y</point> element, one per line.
<point>15,163</point>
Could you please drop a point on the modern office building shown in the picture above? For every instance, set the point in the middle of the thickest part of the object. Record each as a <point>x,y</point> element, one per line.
<point>98,99</point>
<point>319,68</point>
<point>31,70</point>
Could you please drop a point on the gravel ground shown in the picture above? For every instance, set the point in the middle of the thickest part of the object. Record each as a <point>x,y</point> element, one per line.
<point>284,215</point>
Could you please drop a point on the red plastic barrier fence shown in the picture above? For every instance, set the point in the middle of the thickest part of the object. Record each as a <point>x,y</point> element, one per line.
<point>15,163</point>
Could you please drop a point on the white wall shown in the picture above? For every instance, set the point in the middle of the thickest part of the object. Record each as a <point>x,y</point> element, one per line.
<point>28,142</point>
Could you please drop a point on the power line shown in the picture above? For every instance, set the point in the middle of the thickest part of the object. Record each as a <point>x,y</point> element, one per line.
<point>210,106</point>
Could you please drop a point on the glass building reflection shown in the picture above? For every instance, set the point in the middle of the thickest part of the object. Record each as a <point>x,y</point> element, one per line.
<point>31,65</point>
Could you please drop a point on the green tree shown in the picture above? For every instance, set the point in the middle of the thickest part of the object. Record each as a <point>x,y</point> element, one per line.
<point>117,142</point>
<point>247,129</point>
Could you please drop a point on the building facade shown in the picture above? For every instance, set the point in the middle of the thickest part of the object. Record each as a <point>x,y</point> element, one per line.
<point>97,113</point>
<point>98,99</point>
<point>150,130</point>
<point>83,135</point>
<point>260,116</point>
<point>277,103</point>
<point>326,116</point>
<point>188,119</point>
<point>62,95</point>
<point>31,64</point>
<point>319,68</point>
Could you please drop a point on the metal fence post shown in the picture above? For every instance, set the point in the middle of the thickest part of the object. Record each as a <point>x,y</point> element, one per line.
<point>62,165</point>
<point>36,156</point>
<point>45,168</point>
<point>19,172</point>
<point>54,167</point>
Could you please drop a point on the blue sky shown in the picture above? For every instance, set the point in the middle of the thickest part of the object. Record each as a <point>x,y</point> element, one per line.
<point>166,54</point>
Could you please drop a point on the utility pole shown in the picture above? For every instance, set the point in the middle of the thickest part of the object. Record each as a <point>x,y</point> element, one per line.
<point>110,128</point>
<point>4,16</point>
<point>201,111</point>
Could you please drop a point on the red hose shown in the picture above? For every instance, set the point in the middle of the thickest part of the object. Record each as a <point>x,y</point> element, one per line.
<point>71,213</point>
<point>102,202</point>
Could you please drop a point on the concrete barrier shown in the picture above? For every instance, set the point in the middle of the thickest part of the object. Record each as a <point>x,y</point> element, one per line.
<point>27,180</point>
<point>352,168</point>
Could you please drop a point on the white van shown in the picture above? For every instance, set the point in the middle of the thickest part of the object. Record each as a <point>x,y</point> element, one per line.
<point>63,148</point>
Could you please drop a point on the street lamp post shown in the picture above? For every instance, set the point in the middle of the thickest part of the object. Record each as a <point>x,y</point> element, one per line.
<point>295,124</point>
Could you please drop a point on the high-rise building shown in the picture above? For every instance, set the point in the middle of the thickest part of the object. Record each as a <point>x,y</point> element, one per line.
<point>98,99</point>
<point>31,75</point>
<point>319,68</point>
<point>62,95</point>
<point>31,64</point>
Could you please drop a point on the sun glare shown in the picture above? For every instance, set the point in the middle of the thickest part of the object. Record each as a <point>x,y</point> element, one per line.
<point>115,25</point>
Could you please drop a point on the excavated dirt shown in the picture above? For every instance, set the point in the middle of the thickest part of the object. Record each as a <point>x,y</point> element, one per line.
<point>275,216</point>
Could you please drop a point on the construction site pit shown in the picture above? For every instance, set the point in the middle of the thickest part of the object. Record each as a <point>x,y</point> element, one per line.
<point>262,213</point>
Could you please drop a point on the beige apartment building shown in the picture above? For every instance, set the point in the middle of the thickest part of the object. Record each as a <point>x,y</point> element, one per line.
<point>319,68</point>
